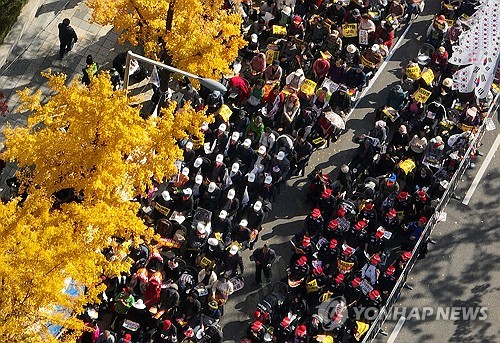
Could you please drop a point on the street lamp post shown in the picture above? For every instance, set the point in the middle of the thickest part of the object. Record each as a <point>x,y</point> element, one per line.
<point>209,83</point>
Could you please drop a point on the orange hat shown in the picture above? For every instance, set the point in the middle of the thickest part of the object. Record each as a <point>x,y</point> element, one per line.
<point>406,255</point>
<point>333,224</point>
<point>316,213</point>
<point>142,274</point>
<point>156,277</point>
<point>441,19</point>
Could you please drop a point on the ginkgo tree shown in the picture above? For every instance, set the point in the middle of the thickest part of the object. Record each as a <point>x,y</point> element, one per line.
<point>200,35</point>
<point>90,140</point>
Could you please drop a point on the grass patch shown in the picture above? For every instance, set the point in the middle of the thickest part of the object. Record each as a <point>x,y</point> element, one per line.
<point>10,10</point>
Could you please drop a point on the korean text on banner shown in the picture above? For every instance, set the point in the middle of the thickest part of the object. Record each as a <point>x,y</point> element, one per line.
<point>422,95</point>
<point>350,30</point>
<point>271,55</point>
<point>308,87</point>
<point>330,85</point>
<point>363,37</point>
<point>225,112</point>
<point>428,76</point>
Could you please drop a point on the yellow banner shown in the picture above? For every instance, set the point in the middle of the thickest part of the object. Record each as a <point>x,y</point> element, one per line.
<point>225,112</point>
<point>350,30</point>
<point>205,262</point>
<point>312,286</point>
<point>272,55</point>
<point>278,30</point>
<point>413,72</point>
<point>407,165</point>
<point>361,329</point>
<point>422,95</point>
<point>428,76</point>
<point>308,87</point>
<point>345,266</point>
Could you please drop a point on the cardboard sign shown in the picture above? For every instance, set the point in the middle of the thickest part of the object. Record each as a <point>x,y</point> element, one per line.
<point>363,37</point>
<point>391,113</point>
<point>365,286</point>
<point>407,165</point>
<point>422,95</point>
<point>278,30</point>
<point>272,55</point>
<point>344,266</point>
<point>225,112</point>
<point>330,85</point>
<point>413,72</point>
<point>205,262</point>
<point>428,76</point>
<point>312,286</point>
<point>308,87</point>
<point>350,30</point>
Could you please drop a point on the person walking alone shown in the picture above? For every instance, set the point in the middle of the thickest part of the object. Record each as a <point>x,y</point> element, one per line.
<point>264,258</point>
<point>67,37</point>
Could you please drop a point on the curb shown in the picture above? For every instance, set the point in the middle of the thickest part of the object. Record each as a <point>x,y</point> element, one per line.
<point>27,15</point>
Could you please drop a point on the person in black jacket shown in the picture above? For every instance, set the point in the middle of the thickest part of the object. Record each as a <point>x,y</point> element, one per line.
<point>67,37</point>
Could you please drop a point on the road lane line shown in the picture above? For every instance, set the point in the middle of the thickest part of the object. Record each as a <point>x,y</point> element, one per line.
<point>397,328</point>
<point>481,171</point>
<point>382,67</point>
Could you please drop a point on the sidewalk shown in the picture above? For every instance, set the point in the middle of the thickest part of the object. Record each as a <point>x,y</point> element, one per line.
<point>38,50</point>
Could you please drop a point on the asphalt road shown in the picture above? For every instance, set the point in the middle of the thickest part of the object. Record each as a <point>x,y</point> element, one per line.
<point>290,208</point>
<point>461,270</point>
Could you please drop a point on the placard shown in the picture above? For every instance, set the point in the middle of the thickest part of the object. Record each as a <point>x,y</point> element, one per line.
<point>278,30</point>
<point>225,112</point>
<point>272,55</point>
<point>349,30</point>
<point>413,72</point>
<point>428,76</point>
<point>308,87</point>
<point>330,85</point>
<point>312,286</point>
<point>422,95</point>
<point>363,37</point>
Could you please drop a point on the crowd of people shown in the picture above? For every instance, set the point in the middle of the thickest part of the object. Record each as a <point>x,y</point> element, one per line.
<point>291,92</point>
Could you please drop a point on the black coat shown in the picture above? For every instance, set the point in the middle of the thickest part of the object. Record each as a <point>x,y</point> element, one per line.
<point>67,33</point>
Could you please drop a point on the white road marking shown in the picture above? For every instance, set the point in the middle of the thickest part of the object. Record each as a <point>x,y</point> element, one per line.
<point>481,171</point>
<point>379,71</point>
<point>397,328</point>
